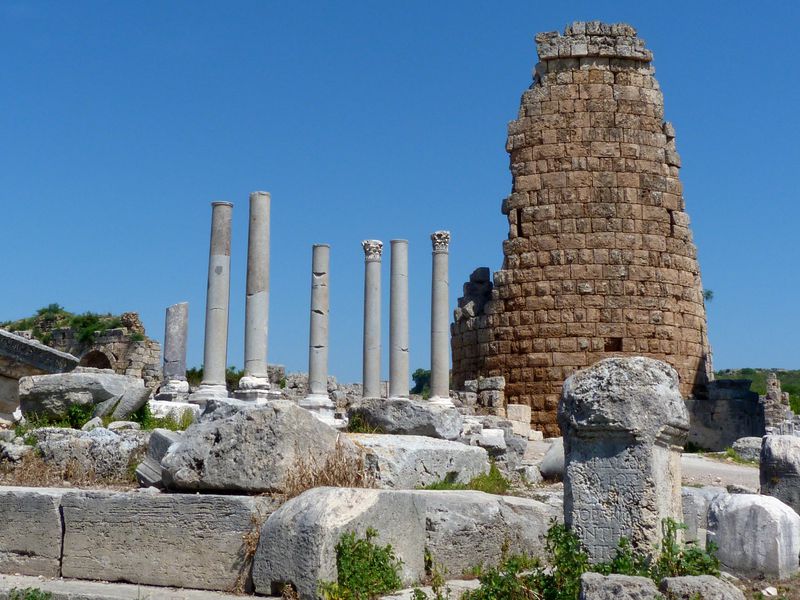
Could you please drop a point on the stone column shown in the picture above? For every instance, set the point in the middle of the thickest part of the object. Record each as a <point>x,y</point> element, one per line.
<point>371,380</point>
<point>254,385</point>
<point>398,320</point>
<point>440,320</point>
<point>215,348</point>
<point>318,401</point>
<point>174,386</point>
<point>624,423</point>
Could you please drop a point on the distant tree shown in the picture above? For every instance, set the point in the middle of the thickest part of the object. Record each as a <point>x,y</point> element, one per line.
<point>708,295</point>
<point>422,382</point>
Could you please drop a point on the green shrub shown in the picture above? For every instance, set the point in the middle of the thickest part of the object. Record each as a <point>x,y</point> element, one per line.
<point>144,416</point>
<point>492,482</point>
<point>357,424</point>
<point>365,570</point>
<point>29,594</point>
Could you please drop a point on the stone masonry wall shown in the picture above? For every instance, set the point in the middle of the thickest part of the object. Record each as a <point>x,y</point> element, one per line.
<point>599,259</point>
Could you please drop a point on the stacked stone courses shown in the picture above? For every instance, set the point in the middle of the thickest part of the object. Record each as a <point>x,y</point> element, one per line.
<point>599,259</point>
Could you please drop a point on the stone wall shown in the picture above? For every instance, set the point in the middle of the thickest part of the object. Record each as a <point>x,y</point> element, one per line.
<point>599,259</point>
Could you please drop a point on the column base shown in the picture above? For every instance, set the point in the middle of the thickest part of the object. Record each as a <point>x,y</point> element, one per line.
<point>321,406</point>
<point>256,389</point>
<point>208,391</point>
<point>442,401</point>
<point>174,390</point>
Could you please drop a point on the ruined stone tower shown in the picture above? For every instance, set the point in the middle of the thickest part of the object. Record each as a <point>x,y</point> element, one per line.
<point>599,259</point>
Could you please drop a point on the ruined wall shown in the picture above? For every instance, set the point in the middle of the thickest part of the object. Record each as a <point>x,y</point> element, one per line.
<point>599,259</point>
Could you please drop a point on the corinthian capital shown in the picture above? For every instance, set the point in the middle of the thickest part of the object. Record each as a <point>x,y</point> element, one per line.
<point>441,241</point>
<point>372,249</point>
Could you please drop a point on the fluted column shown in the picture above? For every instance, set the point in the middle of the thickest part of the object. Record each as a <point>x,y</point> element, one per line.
<point>440,320</point>
<point>318,400</point>
<point>176,326</point>
<point>254,385</point>
<point>215,348</point>
<point>398,320</point>
<point>371,379</point>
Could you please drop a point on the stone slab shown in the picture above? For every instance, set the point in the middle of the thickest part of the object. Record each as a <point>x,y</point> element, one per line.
<point>73,589</point>
<point>32,356</point>
<point>177,540</point>
<point>403,416</point>
<point>30,530</point>
<point>413,461</point>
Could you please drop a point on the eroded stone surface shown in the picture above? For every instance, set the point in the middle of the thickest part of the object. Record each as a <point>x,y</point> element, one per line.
<point>403,416</point>
<point>780,469</point>
<point>617,587</point>
<point>705,587</point>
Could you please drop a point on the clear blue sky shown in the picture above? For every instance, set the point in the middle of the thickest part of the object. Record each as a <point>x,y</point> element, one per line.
<point>121,122</point>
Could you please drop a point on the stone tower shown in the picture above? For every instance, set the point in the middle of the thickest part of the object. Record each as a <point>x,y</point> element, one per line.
<point>599,259</point>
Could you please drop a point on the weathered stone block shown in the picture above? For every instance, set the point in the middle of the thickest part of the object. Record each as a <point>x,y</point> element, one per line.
<point>409,417</point>
<point>624,423</point>
<point>298,541</point>
<point>617,587</point>
<point>756,535</point>
<point>779,471</point>
<point>30,535</point>
<point>159,539</point>
<point>705,587</point>
<point>412,461</point>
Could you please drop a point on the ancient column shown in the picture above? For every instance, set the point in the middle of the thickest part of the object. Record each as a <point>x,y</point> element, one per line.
<point>174,386</point>
<point>371,379</point>
<point>624,424</point>
<point>215,349</point>
<point>440,320</point>
<point>398,320</point>
<point>318,401</point>
<point>254,385</point>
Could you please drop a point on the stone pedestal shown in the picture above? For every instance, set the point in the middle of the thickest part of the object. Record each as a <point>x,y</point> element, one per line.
<point>440,320</point>
<point>398,320</point>
<point>318,401</point>
<point>174,387</point>
<point>254,385</point>
<point>372,319</point>
<point>624,424</point>
<point>215,349</point>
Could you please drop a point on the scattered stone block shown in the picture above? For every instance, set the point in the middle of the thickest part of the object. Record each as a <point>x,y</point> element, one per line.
<point>457,588</point>
<point>617,587</point>
<point>748,448</point>
<point>176,410</point>
<point>695,502</point>
<point>298,541</point>
<point>30,535</point>
<point>246,447</point>
<point>519,412</point>
<point>468,528</point>
<point>706,587</point>
<point>149,471</point>
<point>412,461</point>
<point>624,424</point>
<point>552,465</point>
<point>181,540</point>
<point>756,535</point>
<point>779,471</point>
<point>402,416</point>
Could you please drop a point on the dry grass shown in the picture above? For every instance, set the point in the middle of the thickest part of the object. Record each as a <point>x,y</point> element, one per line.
<point>289,593</point>
<point>33,471</point>
<point>342,468</point>
<point>250,541</point>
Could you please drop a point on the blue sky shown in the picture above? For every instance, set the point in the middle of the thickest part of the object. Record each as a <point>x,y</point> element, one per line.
<point>121,122</point>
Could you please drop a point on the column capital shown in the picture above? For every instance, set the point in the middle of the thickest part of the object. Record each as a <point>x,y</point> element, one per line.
<point>372,250</point>
<point>441,241</point>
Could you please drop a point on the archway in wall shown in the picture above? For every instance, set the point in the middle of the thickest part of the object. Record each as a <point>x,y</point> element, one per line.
<point>96,359</point>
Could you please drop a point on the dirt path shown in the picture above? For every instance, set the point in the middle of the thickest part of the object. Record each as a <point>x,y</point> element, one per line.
<point>699,470</point>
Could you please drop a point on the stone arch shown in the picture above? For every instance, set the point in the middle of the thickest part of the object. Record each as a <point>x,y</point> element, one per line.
<point>98,358</point>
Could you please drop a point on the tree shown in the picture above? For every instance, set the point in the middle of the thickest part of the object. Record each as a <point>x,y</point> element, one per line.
<point>708,295</point>
<point>422,382</point>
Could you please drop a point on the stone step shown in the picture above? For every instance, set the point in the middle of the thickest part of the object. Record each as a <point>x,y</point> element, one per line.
<point>74,589</point>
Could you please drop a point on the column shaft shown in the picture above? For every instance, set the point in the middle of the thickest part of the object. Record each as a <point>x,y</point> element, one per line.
<point>371,379</point>
<point>175,335</point>
<point>398,321</point>
<point>440,319</point>
<point>257,301</point>
<point>215,352</point>
<point>318,335</point>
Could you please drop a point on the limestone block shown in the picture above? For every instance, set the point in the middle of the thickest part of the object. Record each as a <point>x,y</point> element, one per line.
<point>239,446</point>
<point>706,587</point>
<point>176,410</point>
<point>298,541</point>
<point>695,502</point>
<point>780,469</point>
<point>519,412</point>
<point>177,540</point>
<point>412,461</point>
<point>30,535</point>
<point>552,465</point>
<point>624,424</point>
<point>403,416</point>
<point>108,392</point>
<point>149,471</point>
<point>617,587</point>
<point>100,452</point>
<point>756,535</point>
<point>457,588</point>
<point>468,528</point>
<point>749,448</point>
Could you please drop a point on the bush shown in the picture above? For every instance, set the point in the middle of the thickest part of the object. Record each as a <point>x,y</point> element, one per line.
<point>29,594</point>
<point>364,569</point>
<point>144,416</point>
